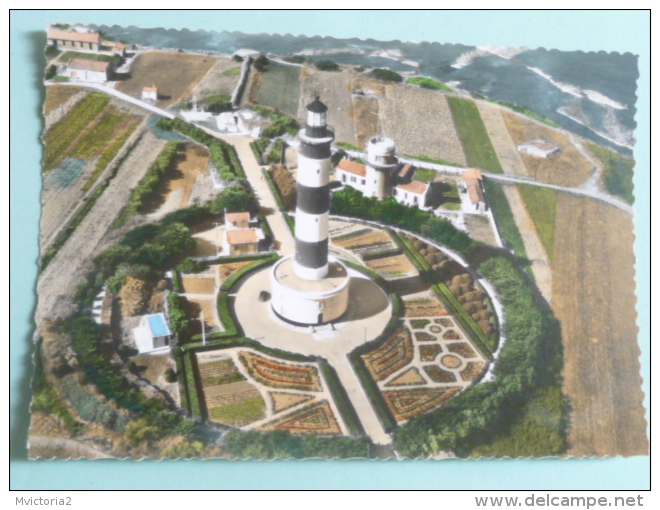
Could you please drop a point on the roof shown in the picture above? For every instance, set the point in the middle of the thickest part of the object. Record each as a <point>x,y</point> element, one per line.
<point>88,65</point>
<point>475,192</point>
<point>472,173</point>
<point>65,35</point>
<point>417,187</point>
<point>237,216</point>
<point>317,106</point>
<point>242,236</point>
<point>119,46</point>
<point>153,88</point>
<point>541,144</point>
<point>405,170</point>
<point>352,167</point>
<point>157,325</point>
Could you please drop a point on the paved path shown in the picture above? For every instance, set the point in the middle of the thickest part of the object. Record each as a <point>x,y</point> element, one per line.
<point>369,312</point>
<point>598,195</point>
<point>264,194</point>
<point>125,97</point>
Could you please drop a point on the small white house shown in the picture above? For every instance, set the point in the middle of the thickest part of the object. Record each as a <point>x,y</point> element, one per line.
<point>415,193</point>
<point>150,93</point>
<point>538,148</point>
<point>474,188</point>
<point>153,335</point>
<point>82,69</point>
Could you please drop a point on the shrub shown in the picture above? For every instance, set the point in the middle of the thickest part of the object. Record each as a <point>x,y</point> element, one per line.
<point>170,375</point>
<point>326,65</point>
<point>386,75</point>
<point>189,265</point>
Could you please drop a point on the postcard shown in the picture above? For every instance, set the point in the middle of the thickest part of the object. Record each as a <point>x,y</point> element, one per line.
<point>259,247</point>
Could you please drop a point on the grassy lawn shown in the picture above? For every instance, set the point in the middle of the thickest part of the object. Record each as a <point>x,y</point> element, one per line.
<point>617,174</point>
<point>425,175</point>
<point>95,139</point>
<point>506,225</point>
<point>450,198</point>
<point>474,137</point>
<point>61,135</point>
<point>346,145</point>
<point>428,83</point>
<point>90,56</point>
<point>234,71</point>
<point>541,204</point>
<point>247,411</point>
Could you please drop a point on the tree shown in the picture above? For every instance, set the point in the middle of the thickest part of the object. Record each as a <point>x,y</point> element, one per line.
<point>235,198</point>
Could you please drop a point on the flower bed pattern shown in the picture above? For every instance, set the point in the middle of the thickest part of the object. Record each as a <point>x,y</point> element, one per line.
<point>472,370</point>
<point>410,377</point>
<point>421,336</point>
<point>281,401</point>
<point>463,349</point>
<point>276,374</point>
<point>317,418</point>
<point>429,352</point>
<point>424,308</point>
<point>439,375</point>
<point>219,372</point>
<point>394,354</point>
<point>451,335</point>
<point>404,404</point>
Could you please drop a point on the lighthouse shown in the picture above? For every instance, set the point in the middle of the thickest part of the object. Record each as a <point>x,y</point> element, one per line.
<point>310,287</point>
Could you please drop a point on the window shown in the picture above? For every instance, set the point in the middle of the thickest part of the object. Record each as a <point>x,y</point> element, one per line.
<point>415,200</point>
<point>363,182</point>
<point>353,179</point>
<point>343,177</point>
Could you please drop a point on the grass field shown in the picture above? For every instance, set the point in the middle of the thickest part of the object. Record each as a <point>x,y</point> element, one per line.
<point>504,218</point>
<point>90,56</point>
<point>428,83</point>
<point>63,134</point>
<point>617,174</point>
<point>280,88</point>
<point>541,204</point>
<point>57,95</point>
<point>425,175</point>
<point>450,198</point>
<point>474,137</point>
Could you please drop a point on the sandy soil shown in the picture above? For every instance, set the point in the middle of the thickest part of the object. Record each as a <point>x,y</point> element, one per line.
<point>568,167</point>
<point>215,82</point>
<point>396,265</point>
<point>480,229</point>
<point>367,239</point>
<point>196,285</point>
<point>594,298</point>
<point>367,121</point>
<point>175,75</point>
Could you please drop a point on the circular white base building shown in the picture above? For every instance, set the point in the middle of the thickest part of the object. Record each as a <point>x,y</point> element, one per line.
<point>309,302</point>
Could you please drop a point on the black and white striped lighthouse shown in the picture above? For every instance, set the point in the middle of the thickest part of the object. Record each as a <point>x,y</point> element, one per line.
<point>313,202</point>
<point>311,287</point>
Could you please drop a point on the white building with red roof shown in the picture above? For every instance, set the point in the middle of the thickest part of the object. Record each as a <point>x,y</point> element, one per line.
<point>538,148</point>
<point>242,234</point>
<point>475,191</point>
<point>82,69</point>
<point>73,39</point>
<point>413,193</point>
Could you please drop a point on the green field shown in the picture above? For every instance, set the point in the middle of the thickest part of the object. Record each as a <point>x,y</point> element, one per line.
<point>541,204</point>
<point>234,71</point>
<point>428,83</point>
<point>450,198</point>
<point>90,56</point>
<point>58,139</point>
<point>425,174</point>
<point>504,218</point>
<point>95,139</point>
<point>474,137</point>
<point>280,88</point>
<point>617,172</point>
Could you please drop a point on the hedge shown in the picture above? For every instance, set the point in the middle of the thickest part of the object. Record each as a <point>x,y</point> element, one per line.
<point>176,281</point>
<point>355,357</point>
<point>229,282</point>
<point>257,154</point>
<point>447,298</point>
<point>183,384</point>
<point>273,188</point>
<point>191,383</point>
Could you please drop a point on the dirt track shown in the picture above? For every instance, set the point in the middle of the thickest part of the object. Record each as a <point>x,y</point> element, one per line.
<point>594,298</point>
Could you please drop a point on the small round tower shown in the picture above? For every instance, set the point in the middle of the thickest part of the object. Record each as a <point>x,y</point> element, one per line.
<point>381,164</point>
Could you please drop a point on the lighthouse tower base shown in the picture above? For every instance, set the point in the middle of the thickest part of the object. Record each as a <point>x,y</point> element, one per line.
<point>309,302</point>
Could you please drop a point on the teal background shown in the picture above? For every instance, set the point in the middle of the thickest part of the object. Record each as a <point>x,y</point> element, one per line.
<point>622,31</point>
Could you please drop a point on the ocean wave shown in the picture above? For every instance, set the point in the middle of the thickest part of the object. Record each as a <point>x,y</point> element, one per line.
<point>599,98</point>
<point>615,132</point>
<point>505,52</point>
<point>564,87</point>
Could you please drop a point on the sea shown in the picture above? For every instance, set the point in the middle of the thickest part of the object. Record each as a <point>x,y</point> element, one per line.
<point>591,94</point>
